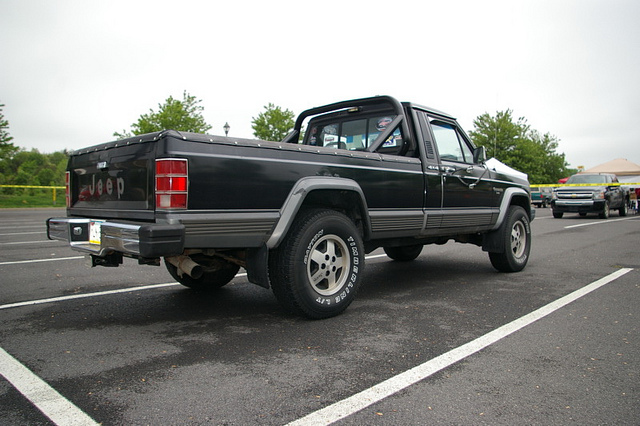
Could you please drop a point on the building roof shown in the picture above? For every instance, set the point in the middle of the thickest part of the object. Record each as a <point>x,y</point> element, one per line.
<point>619,166</point>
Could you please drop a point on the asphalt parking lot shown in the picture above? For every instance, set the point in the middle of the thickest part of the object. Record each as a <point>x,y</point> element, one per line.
<point>441,340</point>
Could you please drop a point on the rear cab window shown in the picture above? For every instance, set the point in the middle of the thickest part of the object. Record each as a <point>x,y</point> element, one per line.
<point>356,134</point>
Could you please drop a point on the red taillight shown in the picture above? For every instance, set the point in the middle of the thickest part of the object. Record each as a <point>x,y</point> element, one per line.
<point>67,191</point>
<point>172,183</point>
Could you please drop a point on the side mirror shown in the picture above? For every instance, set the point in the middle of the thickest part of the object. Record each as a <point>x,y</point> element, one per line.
<point>479,155</point>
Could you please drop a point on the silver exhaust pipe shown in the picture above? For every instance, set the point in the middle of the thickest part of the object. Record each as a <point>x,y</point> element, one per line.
<point>186,266</point>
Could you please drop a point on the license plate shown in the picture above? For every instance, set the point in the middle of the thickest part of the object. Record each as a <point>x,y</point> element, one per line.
<point>94,232</point>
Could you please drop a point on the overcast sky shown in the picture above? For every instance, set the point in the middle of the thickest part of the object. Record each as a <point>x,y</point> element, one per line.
<point>73,72</point>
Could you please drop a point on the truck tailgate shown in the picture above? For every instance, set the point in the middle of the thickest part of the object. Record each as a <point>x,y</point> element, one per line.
<point>113,180</point>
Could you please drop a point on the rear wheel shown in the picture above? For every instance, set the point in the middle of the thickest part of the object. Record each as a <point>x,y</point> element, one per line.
<point>404,253</point>
<point>623,209</point>
<point>217,273</point>
<point>516,235</point>
<point>315,272</point>
<point>558,215</point>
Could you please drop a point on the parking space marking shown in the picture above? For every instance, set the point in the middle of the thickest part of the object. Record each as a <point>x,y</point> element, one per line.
<point>21,226</point>
<point>23,233</point>
<point>85,295</point>
<point>368,397</point>
<point>28,242</point>
<point>17,262</point>
<point>53,405</point>
<point>601,222</point>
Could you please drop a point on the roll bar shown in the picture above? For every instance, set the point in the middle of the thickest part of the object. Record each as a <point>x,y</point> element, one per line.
<point>357,103</point>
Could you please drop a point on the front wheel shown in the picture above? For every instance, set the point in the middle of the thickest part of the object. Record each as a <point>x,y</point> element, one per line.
<point>606,211</point>
<point>516,235</point>
<point>316,270</point>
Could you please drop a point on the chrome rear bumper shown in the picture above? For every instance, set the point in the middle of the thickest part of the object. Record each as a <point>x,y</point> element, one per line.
<point>101,237</point>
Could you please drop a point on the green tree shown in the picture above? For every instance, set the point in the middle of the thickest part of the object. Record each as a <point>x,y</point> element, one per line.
<point>500,134</point>
<point>34,168</point>
<point>273,124</point>
<point>517,145</point>
<point>7,148</point>
<point>184,115</point>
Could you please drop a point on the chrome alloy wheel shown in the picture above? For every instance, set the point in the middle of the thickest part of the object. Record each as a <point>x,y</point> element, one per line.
<point>328,264</point>
<point>518,239</point>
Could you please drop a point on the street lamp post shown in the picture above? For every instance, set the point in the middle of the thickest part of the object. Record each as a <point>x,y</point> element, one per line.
<point>226,128</point>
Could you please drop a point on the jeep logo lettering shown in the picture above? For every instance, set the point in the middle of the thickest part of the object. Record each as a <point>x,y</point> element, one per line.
<point>106,187</point>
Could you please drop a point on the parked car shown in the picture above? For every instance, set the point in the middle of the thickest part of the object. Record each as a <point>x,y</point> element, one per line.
<point>541,196</point>
<point>591,193</point>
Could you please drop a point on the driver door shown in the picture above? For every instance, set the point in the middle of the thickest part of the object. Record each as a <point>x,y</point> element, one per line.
<point>469,199</point>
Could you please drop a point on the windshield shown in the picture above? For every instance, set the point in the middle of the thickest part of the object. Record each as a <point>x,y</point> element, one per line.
<point>587,179</point>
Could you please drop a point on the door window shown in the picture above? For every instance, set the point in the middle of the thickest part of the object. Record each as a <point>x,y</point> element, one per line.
<point>451,146</point>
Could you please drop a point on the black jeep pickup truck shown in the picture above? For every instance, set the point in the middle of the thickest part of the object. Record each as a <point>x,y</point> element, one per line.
<point>299,215</point>
<point>590,193</point>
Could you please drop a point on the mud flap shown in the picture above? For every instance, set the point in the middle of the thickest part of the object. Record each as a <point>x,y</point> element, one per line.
<point>493,242</point>
<point>257,266</point>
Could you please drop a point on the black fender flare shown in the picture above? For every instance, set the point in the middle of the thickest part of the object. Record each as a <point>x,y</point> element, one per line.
<point>491,241</point>
<point>298,194</point>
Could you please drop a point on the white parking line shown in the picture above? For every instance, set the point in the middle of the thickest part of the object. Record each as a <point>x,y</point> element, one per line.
<point>367,397</point>
<point>21,226</point>
<point>17,262</point>
<point>28,242</point>
<point>601,222</point>
<point>84,295</point>
<point>53,405</point>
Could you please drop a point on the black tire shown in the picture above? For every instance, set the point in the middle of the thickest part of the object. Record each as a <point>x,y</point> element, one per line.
<point>558,215</point>
<point>316,270</point>
<point>623,210</point>
<point>516,235</point>
<point>217,273</point>
<point>606,211</point>
<point>404,253</point>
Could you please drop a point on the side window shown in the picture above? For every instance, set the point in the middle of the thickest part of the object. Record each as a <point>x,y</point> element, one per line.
<point>326,135</point>
<point>451,146</point>
<point>377,125</point>
<point>354,134</point>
